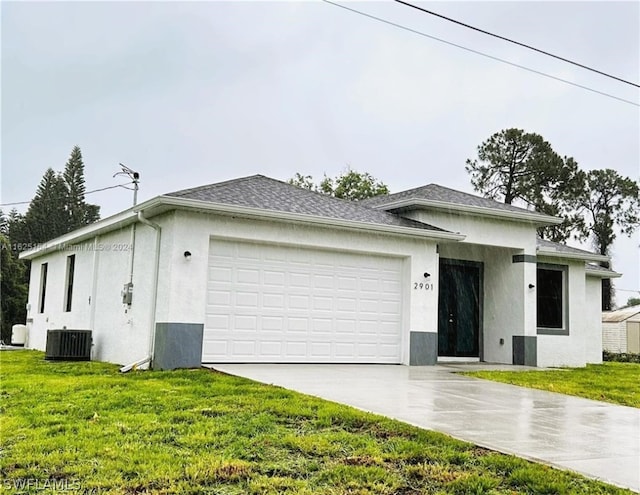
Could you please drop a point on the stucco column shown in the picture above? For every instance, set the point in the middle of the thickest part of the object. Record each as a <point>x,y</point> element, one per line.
<point>422,287</point>
<point>524,341</point>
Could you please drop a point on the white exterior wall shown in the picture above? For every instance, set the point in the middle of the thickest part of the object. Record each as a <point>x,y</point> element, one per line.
<point>614,336</point>
<point>54,315</point>
<point>593,320</point>
<point>568,350</point>
<point>182,296</point>
<point>120,333</point>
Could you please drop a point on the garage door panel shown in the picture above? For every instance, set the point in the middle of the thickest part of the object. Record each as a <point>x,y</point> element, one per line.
<point>269,303</point>
<point>245,322</point>
<point>274,278</point>
<point>268,348</point>
<point>323,281</point>
<point>299,279</point>
<point>247,299</point>
<point>220,274</point>
<point>323,303</point>
<point>272,323</point>
<point>273,301</point>
<point>322,325</point>
<point>217,321</point>
<point>345,326</point>
<point>297,325</point>
<point>320,350</point>
<point>243,347</point>
<point>297,301</point>
<point>347,304</point>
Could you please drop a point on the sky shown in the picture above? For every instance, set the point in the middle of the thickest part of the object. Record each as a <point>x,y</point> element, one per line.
<point>192,93</point>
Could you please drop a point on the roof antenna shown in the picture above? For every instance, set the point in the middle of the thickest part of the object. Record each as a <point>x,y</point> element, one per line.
<point>135,179</point>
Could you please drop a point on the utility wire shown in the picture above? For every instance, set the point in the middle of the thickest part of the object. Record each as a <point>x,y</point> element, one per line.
<point>524,45</point>
<point>88,192</point>
<point>513,64</point>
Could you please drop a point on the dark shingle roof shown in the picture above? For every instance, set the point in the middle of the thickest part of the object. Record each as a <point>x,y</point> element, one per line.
<point>435,192</point>
<point>592,267</point>
<point>258,191</point>
<point>561,248</point>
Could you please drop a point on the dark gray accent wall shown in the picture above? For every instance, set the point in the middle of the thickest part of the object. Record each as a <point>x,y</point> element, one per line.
<point>524,258</point>
<point>177,345</point>
<point>525,350</point>
<point>423,348</point>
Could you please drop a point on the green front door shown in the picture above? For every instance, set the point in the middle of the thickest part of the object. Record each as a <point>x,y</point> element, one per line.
<point>459,308</point>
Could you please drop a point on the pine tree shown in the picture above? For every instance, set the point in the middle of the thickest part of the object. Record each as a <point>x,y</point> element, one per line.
<point>79,211</point>
<point>4,224</point>
<point>48,214</point>
<point>609,203</point>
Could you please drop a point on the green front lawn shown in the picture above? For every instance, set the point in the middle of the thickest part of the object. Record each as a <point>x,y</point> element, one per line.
<point>610,382</point>
<point>198,431</point>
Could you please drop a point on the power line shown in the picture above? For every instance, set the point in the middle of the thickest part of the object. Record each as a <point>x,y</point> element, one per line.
<point>524,45</point>
<point>513,64</point>
<point>88,192</point>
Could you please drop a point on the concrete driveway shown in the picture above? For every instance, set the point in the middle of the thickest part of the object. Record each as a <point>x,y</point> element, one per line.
<point>593,438</point>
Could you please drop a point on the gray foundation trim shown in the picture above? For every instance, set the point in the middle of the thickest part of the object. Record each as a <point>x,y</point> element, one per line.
<point>178,345</point>
<point>423,348</point>
<point>524,258</point>
<point>525,350</point>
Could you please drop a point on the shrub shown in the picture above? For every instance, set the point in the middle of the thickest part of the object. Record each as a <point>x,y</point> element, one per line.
<point>623,357</point>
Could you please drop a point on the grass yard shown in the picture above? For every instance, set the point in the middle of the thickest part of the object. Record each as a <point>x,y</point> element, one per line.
<point>618,383</point>
<point>198,431</point>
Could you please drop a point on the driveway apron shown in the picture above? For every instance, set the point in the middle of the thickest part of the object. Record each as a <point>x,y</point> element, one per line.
<point>593,438</point>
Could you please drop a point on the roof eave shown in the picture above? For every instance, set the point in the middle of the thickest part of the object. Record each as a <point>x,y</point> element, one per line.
<point>90,231</point>
<point>571,256</point>
<point>600,272</point>
<point>524,216</point>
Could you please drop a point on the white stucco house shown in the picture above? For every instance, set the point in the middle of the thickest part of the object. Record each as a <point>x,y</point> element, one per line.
<point>257,270</point>
<point>621,330</point>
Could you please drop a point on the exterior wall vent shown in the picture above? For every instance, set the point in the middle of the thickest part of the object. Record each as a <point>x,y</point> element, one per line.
<point>68,345</point>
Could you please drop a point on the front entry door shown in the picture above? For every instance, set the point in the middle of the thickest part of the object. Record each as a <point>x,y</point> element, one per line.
<point>459,308</point>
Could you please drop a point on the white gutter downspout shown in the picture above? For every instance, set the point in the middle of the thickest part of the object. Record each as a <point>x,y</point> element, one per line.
<point>154,301</point>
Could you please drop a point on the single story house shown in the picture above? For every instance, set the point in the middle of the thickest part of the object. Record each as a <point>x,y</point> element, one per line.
<point>257,270</point>
<point>621,330</point>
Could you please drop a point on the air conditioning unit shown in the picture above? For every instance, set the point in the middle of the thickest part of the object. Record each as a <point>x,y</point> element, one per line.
<point>68,345</point>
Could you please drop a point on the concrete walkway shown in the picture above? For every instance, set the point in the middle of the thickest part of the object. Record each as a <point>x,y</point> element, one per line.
<point>593,438</point>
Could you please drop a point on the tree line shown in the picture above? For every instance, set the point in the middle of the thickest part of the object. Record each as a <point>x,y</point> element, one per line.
<point>58,207</point>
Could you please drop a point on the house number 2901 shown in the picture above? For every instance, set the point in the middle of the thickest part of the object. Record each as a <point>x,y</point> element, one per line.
<point>422,286</point>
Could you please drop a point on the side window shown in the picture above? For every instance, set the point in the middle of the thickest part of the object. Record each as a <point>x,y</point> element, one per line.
<point>551,308</point>
<point>68,295</point>
<point>43,286</point>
